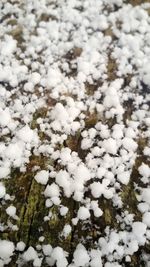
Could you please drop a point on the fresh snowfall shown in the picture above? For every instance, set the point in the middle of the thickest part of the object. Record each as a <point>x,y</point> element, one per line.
<point>75,133</point>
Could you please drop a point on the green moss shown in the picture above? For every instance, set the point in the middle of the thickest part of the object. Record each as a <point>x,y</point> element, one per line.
<point>30,209</point>
<point>129,199</point>
<point>73,141</point>
<point>91,120</point>
<point>108,216</point>
<point>111,65</point>
<point>40,113</point>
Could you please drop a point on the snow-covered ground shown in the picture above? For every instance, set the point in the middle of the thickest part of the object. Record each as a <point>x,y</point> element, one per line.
<point>74,133</point>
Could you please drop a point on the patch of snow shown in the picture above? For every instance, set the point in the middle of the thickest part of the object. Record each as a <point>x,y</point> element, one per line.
<point>2,190</point>
<point>67,230</point>
<point>146,218</point>
<point>52,190</point>
<point>20,246</point>
<point>42,177</point>
<point>83,213</point>
<point>47,249</point>
<point>11,211</point>
<point>144,170</point>
<point>80,256</point>
<point>6,250</point>
<point>30,254</point>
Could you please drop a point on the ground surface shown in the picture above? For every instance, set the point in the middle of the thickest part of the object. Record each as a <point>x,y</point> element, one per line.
<point>75,129</point>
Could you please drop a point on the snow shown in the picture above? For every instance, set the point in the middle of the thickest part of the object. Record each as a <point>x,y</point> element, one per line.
<point>35,78</point>
<point>37,262</point>
<point>110,146</point>
<point>97,189</point>
<point>139,230</point>
<point>14,152</point>
<point>59,256</point>
<point>97,211</point>
<point>96,260</point>
<point>82,174</point>
<point>146,218</point>
<point>5,117</point>
<point>20,246</point>
<point>58,253</point>
<point>117,131</point>
<point>101,172</point>
<point>29,87</point>
<point>30,254</point>
<point>6,250</point>
<point>63,180</point>
<point>42,177</point>
<point>146,195</point>
<point>52,190</point>
<point>143,207</point>
<point>2,190</point>
<point>129,144</point>
<point>123,177</point>
<point>144,170</point>
<point>11,211</point>
<point>4,171</point>
<point>67,230</point>
<point>27,135</point>
<point>83,213</point>
<point>60,114</point>
<point>8,47</point>
<point>74,116</point>
<point>81,257</point>
<point>63,211</point>
<point>47,249</point>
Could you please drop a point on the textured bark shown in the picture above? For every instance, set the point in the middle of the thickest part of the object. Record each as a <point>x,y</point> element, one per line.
<point>31,210</point>
<point>30,202</point>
